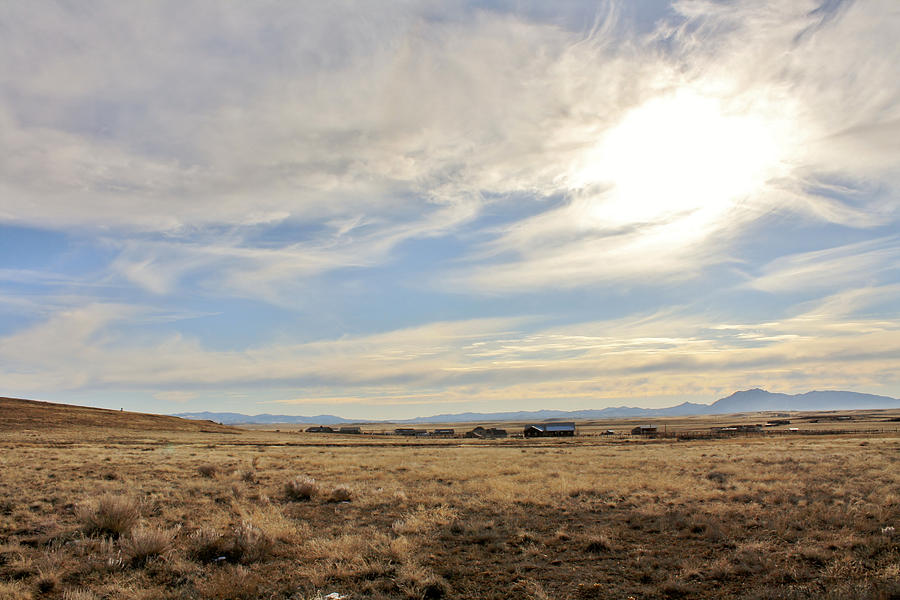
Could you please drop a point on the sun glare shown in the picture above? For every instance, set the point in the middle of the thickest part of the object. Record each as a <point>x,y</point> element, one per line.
<point>680,160</point>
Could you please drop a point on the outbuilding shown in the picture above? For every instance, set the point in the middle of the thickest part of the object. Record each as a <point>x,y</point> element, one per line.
<point>486,433</point>
<point>644,430</point>
<point>319,429</point>
<point>411,431</point>
<point>550,430</point>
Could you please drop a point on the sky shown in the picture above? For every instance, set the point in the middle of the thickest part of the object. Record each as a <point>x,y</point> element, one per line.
<point>395,209</point>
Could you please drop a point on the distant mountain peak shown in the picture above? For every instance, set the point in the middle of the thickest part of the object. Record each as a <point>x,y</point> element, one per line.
<point>757,399</point>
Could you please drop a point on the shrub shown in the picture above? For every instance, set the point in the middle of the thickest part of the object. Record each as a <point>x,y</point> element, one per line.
<point>421,583</point>
<point>340,494</point>
<point>232,583</point>
<point>208,470</point>
<point>47,584</point>
<point>247,543</point>
<point>79,595</point>
<point>206,545</point>
<point>301,490</point>
<point>717,477</point>
<point>145,543</point>
<point>6,506</point>
<point>588,591</point>
<point>110,515</point>
<point>597,544</point>
<point>675,589</point>
<point>250,543</point>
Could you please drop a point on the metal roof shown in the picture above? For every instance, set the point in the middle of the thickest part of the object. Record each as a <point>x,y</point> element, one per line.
<point>559,427</point>
<point>553,426</point>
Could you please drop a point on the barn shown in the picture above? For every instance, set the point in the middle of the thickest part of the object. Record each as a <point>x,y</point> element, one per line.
<point>550,430</point>
<point>488,433</point>
<point>410,431</point>
<point>644,430</point>
<point>319,429</point>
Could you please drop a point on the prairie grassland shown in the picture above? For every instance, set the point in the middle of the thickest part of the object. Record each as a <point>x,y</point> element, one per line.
<point>86,514</point>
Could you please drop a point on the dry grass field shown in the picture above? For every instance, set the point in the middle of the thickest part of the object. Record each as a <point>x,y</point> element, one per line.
<point>94,510</point>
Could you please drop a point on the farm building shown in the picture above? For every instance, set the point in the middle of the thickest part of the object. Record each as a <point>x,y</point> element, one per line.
<point>644,430</point>
<point>319,429</point>
<point>443,432</point>
<point>738,428</point>
<point>411,431</point>
<point>486,433</point>
<point>352,429</point>
<point>550,430</point>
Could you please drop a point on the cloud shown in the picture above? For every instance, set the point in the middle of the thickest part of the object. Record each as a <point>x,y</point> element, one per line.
<point>834,342</point>
<point>783,80</point>
<point>304,125</point>
<point>410,119</point>
<point>860,264</point>
<point>175,396</point>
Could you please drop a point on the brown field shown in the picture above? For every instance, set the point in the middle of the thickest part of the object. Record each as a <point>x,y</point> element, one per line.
<point>101,507</point>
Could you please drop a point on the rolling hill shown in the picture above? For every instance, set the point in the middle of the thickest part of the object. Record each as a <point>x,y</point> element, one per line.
<point>18,414</point>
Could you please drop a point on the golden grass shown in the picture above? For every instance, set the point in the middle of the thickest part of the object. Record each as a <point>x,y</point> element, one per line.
<point>752,517</point>
<point>301,489</point>
<point>109,515</point>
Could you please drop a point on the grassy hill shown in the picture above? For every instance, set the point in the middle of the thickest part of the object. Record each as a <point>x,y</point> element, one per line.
<point>17,414</point>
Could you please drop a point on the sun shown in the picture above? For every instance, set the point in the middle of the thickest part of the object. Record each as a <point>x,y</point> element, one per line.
<point>681,161</point>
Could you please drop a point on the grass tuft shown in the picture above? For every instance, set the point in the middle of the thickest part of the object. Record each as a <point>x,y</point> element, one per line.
<point>47,584</point>
<point>301,490</point>
<point>597,544</point>
<point>340,494</point>
<point>207,545</point>
<point>246,543</point>
<point>145,543</point>
<point>233,582</point>
<point>421,583</point>
<point>717,477</point>
<point>110,515</point>
<point>250,543</point>
<point>208,470</point>
<point>79,594</point>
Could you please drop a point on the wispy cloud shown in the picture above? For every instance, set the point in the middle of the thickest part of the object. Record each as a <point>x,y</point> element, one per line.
<point>409,127</point>
<point>672,354</point>
<point>860,264</point>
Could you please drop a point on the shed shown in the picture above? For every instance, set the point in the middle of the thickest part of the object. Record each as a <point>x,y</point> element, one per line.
<point>319,429</point>
<point>644,430</point>
<point>352,429</point>
<point>486,433</point>
<point>411,431</point>
<point>443,432</point>
<point>550,430</point>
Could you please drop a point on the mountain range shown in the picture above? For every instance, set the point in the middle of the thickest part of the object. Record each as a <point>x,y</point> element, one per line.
<point>754,400</point>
